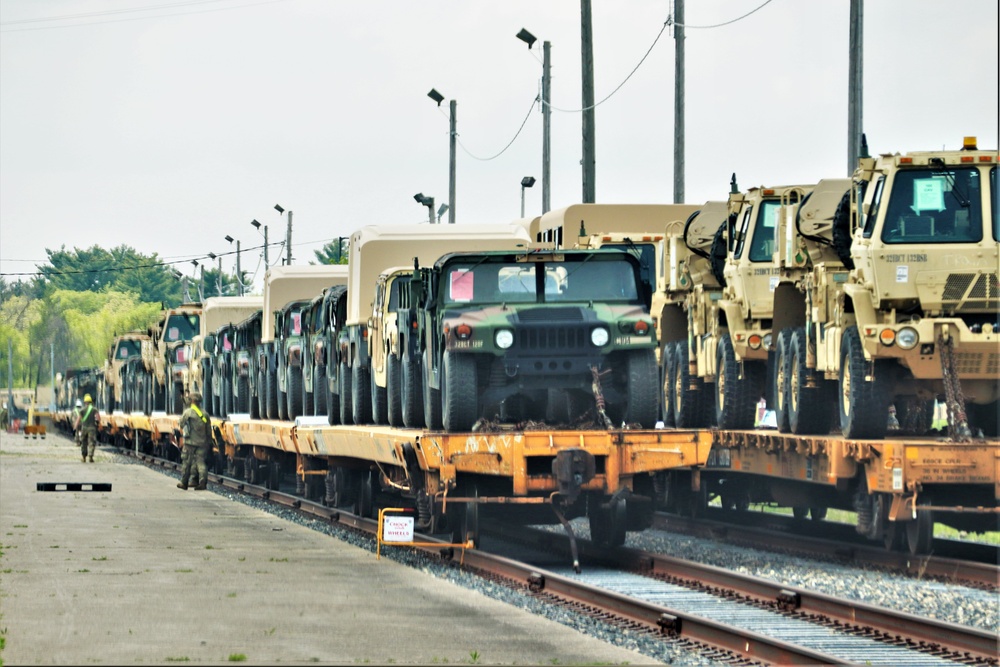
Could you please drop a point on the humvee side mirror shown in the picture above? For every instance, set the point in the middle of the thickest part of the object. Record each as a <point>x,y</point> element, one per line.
<point>208,345</point>
<point>416,291</point>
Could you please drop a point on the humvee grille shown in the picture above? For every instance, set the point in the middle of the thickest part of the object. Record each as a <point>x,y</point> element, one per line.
<point>971,290</point>
<point>532,339</point>
<point>551,315</point>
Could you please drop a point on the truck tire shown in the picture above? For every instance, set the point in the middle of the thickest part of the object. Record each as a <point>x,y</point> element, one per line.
<point>642,404</point>
<point>243,400</point>
<point>691,406</point>
<point>261,396</point>
<point>432,400</point>
<point>809,396</point>
<point>781,361</point>
<point>320,390</point>
<point>459,392</point>
<point>307,396</point>
<point>294,395</point>
<point>735,397</point>
<point>282,401</point>
<point>361,395</point>
<point>379,400</point>
<point>411,393</point>
<point>271,384</point>
<point>344,385</point>
<point>332,402</point>
<point>864,404</point>
<point>225,400</point>
<point>393,381</point>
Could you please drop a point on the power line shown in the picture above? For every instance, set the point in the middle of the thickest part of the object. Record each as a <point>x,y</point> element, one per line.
<point>509,144</point>
<point>719,25</point>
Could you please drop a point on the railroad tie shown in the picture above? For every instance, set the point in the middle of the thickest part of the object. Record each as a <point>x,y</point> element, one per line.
<point>73,486</point>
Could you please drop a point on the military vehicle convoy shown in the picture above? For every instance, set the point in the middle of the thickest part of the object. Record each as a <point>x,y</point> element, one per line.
<point>219,313</point>
<point>324,324</point>
<point>124,348</point>
<point>546,335</point>
<point>158,379</point>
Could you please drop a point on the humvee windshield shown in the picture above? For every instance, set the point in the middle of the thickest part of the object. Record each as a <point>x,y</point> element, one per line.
<point>762,246</point>
<point>993,204</point>
<point>182,327</point>
<point>582,278</point>
<point>935,205</point>
<point>128,349</point>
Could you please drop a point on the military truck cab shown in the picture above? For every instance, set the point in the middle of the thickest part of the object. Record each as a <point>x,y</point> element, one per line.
<point>549,335</point>
<point>123,349</point>
<point>290,338</point>
<point>247,375</point>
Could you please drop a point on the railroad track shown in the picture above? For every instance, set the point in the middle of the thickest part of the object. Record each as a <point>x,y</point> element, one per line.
<point>904,639</point>
<point>977,567</point>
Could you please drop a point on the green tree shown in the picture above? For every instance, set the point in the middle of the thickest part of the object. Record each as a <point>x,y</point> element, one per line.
<point>334,252</point>
<point>122,269</point>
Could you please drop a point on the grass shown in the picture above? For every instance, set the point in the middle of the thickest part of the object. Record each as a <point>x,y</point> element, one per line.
<point>237,657</point>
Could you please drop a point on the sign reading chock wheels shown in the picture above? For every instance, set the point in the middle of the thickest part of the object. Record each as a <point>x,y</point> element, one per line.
<point>397,529</point>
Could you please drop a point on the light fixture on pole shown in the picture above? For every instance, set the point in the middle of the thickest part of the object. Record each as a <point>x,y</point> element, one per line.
<point>441,210</point>
<point>288,234</point>
<point>546,98</point>
<point>428,202</point>
<point>452,138</point>
<point>239,272</point>
<point>526,183</point>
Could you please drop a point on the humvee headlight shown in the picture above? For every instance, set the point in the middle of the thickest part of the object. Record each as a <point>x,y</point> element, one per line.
<point>887,337</point>
<point>504,338</point>
<point>767,341</point>
<point>907,338</point>
<point>599,336</point>
<point>754,342</point>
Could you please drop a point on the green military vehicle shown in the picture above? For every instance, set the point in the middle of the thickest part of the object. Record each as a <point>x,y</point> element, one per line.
<point>544,335</point>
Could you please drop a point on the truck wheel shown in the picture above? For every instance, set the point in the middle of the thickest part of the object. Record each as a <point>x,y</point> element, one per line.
<point>346,404</point>
<point>294,395</point>
<point>361,395</point>
<point>808,406</point>
<point>393,381</point>
<point>320,390</point>
<point>411,393</point>
<point>690,404</point>
<point>307,396</point>
<point>642,403</point>
<point>271,382</point>
<point>332,400</point>
<point>667,397</point>
<point>261,396</point>
<point>243,400</point>
<point>459,392</point>
<point>225,400</point>
<point>379,400</point>
<point>864,403</point>
<point>780,389</point>
<point>432,400</point>
<point>735,397</point>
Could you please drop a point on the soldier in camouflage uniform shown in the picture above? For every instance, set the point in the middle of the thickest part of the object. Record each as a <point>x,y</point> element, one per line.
<point>196,428</point>
<point>194,479</point>
<point>89,419</point>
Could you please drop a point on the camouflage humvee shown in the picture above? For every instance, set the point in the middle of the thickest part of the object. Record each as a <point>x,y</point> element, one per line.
<point>550,335</point>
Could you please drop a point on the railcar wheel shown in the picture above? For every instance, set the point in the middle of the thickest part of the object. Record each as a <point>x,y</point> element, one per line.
<point>361,394</point>
<point>294,395</point>
<point>466,520</point>
<point>365,504</point>
<point>780,389</point>
<point>642,402</point>
<point>459,392</point>
<point>273,481</point>
<point>735,397</point>
<point>864,402</point>
<point>892,536</point>
<point>808,395</point>
<point>250,469</point>
<point>607,523</point>
<point>320,391</point>
<point>393,381</point>
<point>336,487</point>
<point>344,384</point>
<point>817,512</point>
<point>920,533</point>
<point>379,400</point>
<point>800,512</point>
<point>411,393</point>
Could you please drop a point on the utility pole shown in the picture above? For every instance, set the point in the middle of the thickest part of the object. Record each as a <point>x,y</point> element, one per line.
<point>218,279</point>
<point>678,101</point>
<point>453,112</point>
<point>587,61</point>
<point>546,125</point>
<point>288,241</point>
<point>855,86</point>
<point>265,248</point>
<point>201,286</point>
<point>239,272</point>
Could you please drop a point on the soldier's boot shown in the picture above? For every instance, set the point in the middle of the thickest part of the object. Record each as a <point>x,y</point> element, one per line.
<point>83,459</point>
<point>201,487</point>
<point>90,458</point>
<point>182,485</point>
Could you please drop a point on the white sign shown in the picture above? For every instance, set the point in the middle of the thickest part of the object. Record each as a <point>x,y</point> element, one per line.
<point>902,274</point>
<point>397,529</point>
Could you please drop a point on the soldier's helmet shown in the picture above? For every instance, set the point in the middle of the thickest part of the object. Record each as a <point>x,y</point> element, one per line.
<point>79,403</point>
<point>194,397</point>
<point>88,399</point>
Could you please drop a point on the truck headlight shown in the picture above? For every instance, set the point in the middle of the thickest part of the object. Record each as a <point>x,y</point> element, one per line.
<point>599,336</point>
<point>504,338</point>
<point>907,338</point>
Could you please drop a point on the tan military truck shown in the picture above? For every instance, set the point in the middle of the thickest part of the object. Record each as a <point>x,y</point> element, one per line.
<point>274,362</point>
<point>916,318</point>
<point>374,249</point>
<point>158,379</point>
<point>123,348</point>
<point>217,311</point>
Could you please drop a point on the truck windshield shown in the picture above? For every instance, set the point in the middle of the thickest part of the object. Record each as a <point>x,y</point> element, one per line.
<point>128,349</point>
<point>934,205</point>
<point>993,204</point>
<point>762,246</point>
<point>575,279</point>
<point>182,326</point>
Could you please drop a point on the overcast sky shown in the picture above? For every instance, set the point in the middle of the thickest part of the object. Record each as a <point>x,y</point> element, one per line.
<point>168,129</point>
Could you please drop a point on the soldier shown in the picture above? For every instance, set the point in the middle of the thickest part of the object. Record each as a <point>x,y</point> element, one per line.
<point>89,419</point>
<point>196,429</point>
<point>194,479</point>
<point>77,409</point>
